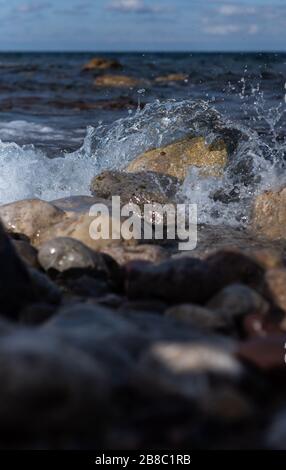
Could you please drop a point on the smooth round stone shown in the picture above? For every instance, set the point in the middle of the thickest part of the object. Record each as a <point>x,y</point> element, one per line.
<point>64,253</point>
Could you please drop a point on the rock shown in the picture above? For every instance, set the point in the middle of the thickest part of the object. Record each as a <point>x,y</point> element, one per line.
<point>64,253</point>
<point>189,370</point>
<point>236,301</point>
<point>37,313</point>
<point>267,354</point>
<point>16,286</point>
<point>172,77</point>
<point>46,386</point>
<point>190,280</point>
<point>81,226</point>
<point>72,204</point>
<point>267,258</point>
<point>30,217</point>
<point>27,253</point>
<point>46,290</point>
<point>117,81</point>
<point>99,63</point>
<point>86,286</point>
<point>269,214</point>
<point>124,254</point>
<point>275,438</point>
<point>175,159</point>
<point>138,188</point>
<point>275,287</point>
<point>195,316</point>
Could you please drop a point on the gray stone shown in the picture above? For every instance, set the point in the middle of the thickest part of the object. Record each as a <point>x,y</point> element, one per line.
<point>195,316</point>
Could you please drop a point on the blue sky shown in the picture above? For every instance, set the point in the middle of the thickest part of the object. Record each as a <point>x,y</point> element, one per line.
<point>110,25</point>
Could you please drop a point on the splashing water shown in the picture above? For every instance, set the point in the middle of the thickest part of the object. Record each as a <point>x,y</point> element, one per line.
<point>256,162</point>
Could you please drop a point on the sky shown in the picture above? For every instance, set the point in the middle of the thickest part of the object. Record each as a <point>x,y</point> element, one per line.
<point>142,25</point>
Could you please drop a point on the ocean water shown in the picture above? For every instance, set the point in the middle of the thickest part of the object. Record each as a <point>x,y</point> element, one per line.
<point>57,129</point>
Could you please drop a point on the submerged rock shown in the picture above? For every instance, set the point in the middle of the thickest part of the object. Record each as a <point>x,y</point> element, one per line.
<point>117,81</point>
<point>175,159</point>
<point>100,63</point>
<point>172,77</point>
<point>269,214</point>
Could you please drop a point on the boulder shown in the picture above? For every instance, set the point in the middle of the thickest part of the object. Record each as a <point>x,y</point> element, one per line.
<point>269,214</point>
<point>100,63</point>
<point>175,159</point>
<point>138,188</point>
<point>117,81</point>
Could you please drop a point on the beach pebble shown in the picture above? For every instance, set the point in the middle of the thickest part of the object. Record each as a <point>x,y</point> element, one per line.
<point>64,253</point>
<point>124,253</point>
<point>195,316</point>
<point>48,386</point>
<point>237,300</point>
<point>26,252</point>
<point>269,215</point>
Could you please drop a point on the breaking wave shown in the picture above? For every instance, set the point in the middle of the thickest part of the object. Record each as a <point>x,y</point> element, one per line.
<point>256,162</point>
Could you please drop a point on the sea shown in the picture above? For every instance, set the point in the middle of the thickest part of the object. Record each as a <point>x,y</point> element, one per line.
<point>58,129</point>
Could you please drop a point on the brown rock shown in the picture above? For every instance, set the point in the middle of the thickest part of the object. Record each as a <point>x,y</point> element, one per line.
<point>117,81</point>
<point>269,214</point>
<point>267,353</point>
<point>176,158</point>
<point>172,77</point>
<point>275,286</point>
<point>99,63</point>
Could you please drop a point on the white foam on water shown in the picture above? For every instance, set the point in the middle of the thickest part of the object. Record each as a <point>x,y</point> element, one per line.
<point>254,165</point>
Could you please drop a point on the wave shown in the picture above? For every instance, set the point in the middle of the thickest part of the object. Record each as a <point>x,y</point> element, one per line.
<point>256,163</point>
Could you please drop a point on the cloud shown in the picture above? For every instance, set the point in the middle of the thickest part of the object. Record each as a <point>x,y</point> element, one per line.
<point>26,8</point>
<point>134,6</point>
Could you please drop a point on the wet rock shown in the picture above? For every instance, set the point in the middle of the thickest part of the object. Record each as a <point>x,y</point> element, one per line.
<point>138,188</point>
<point>275,287</point>
<point>117,81</point>
<point>267,354</point>
<point>48,386</point>
<point>195,316</point>
<point>124,254</point>
<point>27,253</point>
<point>47,291</point>
<point>190,280</point>
<point>175,159</point>
<point>236,301</point>
<point>269,214</point>
<point>30,217</point>
<point>64,253</point>
<point>86,286</point>
<point>16,286</point>
<point>100,63</point>
<point>172,77</point>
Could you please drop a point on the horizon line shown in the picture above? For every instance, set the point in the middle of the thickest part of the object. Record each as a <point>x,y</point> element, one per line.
<point>102,51</point>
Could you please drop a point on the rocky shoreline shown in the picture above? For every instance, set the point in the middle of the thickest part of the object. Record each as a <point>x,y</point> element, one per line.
<point>129,344</point>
